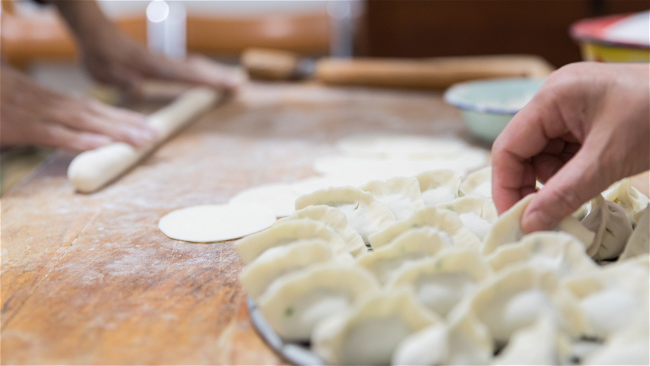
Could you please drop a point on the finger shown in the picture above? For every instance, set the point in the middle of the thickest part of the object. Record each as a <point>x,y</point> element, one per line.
<point>79,117</point>
<point>136,122</point>
<point>197,70</point>
<point>133,135</point>
<point>126,79</point>
<point>61,137</point>
<point>524,137</point>
<point>546,165</point>
<point>119,114</point>
<point>574,184</point>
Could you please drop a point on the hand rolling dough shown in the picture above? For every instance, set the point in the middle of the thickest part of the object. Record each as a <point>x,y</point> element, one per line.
<point>93,169</point>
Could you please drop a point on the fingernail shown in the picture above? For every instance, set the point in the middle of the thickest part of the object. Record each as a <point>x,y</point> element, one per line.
<point>537,221</point>
<point>152,133</point>
<point>140,137</point>
<point>98,141</point>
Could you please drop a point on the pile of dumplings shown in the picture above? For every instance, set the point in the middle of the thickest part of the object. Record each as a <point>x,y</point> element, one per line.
<point>422,270</point>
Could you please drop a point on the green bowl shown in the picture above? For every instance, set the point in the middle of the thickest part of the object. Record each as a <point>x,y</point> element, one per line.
<point>488,105</point>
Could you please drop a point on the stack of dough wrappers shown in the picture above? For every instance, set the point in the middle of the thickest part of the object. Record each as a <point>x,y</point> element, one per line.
<point>421,271</point>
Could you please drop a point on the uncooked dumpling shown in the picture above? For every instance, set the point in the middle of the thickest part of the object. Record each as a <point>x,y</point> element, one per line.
<point>543,343</point>
<point>438,186</point>
<point>364,213</point>
<point>210,223</point>
<point>283,233</point>
<point>295,303</point>
<point>335,220</point>
<point>440,219</point>
<point>612,229</point>
<point>464,340</point>
<point>442,281</point>
<point>557,251</point>
<point>369,333</point>
<point>507,229</point>
<point>612,298</point>
<point>478,183</point>
<point>276,262</point>
<point>476,212</point>
<point>516,298</point>
<point>413,244</point>
<point>639,242</point>
<point>628,197</point>
<point>400,194</point>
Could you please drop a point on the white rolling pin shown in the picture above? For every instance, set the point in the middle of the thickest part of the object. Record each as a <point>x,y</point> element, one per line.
<point>91,170</point>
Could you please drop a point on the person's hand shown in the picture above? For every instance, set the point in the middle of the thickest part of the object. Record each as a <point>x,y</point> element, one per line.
<point>31,114</point>
<point>587,127</point>
<point>113,58</point>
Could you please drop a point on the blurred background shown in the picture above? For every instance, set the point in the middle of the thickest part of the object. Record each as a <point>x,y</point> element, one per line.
<point>33,33</point>
<point>35,39</point>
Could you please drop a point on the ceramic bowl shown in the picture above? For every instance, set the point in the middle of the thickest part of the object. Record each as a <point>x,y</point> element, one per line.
<point>488,105</point>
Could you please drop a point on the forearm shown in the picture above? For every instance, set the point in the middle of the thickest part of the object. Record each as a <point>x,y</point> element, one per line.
<point>85,18</point>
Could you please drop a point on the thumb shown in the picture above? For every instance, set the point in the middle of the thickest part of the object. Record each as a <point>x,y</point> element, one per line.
<point>575,183</point>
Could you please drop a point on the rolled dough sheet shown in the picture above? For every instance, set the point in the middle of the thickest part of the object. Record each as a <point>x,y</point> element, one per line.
<point>278,197</point>
<point>400,146</point>
<point>211,223</point>
<point>375,168</point>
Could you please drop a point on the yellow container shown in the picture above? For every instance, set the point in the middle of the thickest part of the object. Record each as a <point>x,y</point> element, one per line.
<point>599,43</point>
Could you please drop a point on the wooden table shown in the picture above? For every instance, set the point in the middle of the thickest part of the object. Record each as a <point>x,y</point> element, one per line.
<point>89,279</point>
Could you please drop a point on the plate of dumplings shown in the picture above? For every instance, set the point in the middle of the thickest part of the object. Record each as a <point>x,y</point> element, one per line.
<point>421,270</point>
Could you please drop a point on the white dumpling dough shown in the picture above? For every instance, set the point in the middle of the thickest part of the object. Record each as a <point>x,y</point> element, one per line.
<point>400,146</point>
<point>210,223</point>
<point>93,169</point>
<point>277,196</point>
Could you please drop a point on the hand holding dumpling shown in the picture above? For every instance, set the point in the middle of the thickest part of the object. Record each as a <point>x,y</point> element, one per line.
<point>586,128</point>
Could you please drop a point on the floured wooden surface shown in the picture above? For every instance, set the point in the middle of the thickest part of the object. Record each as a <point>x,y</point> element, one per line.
<point>89,279</point>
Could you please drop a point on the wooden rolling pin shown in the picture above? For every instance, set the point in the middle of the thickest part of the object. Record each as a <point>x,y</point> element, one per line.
<point>432,73</point>
<point>92,170</point>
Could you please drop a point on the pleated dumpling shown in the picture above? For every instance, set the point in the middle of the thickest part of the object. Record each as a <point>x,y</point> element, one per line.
<point>363,211</point>
<point>507,228</point>
<point>557,251</point>
<point>286,232</point>
<point>478,183</point>
<point>413,244</point>
<point>443,220</point>
<point>639,242</point>
<point>611,226</point>
<point>463,340</point>
<point>542,343</point>
<point>477,213</point>
<point>400,194</point>
<point>628,346</point>
<point>519,296</point>
<point>369,332</point>
<point>442,281</point>
<point>335,220</point>
<point>294,303</point>
<point>628,197</point>
<point>438,186</point>
<point>278,261</point>
<point>613,298</point>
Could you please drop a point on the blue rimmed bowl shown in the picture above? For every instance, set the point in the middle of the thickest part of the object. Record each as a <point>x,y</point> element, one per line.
<point>488,105</point>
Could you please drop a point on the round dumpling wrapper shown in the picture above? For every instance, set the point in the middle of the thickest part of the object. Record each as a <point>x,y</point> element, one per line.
<point>211,223</point>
